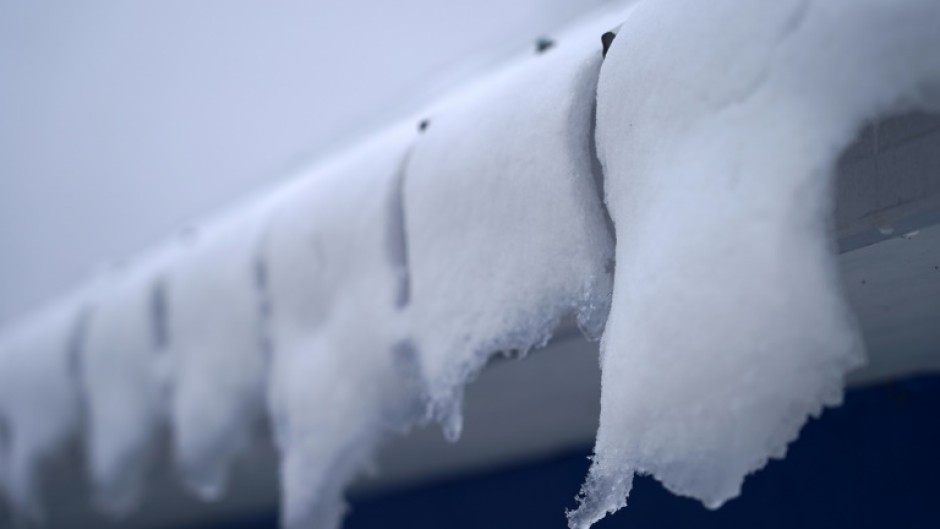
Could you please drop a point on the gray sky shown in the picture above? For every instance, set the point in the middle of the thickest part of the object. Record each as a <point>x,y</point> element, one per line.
<point>121,122</point>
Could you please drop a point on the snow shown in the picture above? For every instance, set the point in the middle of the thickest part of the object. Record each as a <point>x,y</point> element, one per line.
<point>343,373</point>
<point>505,227</point>
<point>124,377</point>
<point>360,298</point>
<point>39,410</point>
<point>217,355</point>
<point>143,112</point>
<point>728,328</point>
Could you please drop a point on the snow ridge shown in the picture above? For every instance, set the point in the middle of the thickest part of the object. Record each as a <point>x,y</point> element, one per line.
<point>728,328</point>
<point>673,197</point>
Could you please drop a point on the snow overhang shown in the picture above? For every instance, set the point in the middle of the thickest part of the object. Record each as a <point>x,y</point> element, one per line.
<point>501,178</point>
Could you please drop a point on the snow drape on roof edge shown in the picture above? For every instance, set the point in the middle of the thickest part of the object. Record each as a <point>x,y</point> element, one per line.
<point>216,349</point>
<point>123,378</point>
<point>719,174</point>
<point>39,396</point>
<point>505,227</point>
<point>360,298</point>
<point>343,372</point>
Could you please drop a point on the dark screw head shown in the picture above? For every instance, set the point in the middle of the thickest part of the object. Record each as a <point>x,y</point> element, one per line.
<point>544,44</point>
<point>423,125</point>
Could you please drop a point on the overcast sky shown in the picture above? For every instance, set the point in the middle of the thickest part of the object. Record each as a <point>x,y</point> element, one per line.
<point>121,122</point>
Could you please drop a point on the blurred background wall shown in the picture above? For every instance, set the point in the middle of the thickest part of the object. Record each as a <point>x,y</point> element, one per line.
<point>121,122</point>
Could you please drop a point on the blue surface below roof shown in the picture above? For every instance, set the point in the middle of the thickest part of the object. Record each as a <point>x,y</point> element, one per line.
<point>872,463</point>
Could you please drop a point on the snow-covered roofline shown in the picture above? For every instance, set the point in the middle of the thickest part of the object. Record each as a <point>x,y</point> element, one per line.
<point>361,298</point>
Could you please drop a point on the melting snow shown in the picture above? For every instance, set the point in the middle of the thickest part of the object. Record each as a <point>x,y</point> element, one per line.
<point>124,366</point>
<point>343,372</point>
<point>728,329</point>
<point>39,396</point>
<point>216,352</point>
<point>506,232</point>
<point>363,296</point>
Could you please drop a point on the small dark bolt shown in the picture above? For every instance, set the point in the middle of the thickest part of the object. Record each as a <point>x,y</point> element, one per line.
<point>423,125</point>
<point>606,40</point>
<point>544,44</point>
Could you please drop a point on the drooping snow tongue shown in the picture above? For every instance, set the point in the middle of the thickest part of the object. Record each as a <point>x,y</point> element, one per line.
<point>728,329</point>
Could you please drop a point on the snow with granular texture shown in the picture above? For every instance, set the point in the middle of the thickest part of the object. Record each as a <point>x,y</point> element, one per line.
<point>719,126</point>
<point>506,230</point>
<point>39,406</point>
<point>124,371</point>
<point>217,360</point>
<point>360,299</point>
<point>343,372</point>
